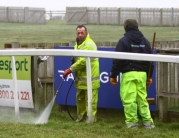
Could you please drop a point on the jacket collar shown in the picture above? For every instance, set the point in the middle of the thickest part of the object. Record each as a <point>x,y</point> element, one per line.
<point>80,42</point>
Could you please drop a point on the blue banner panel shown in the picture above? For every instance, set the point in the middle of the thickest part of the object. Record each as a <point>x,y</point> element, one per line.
<point>108,94</point>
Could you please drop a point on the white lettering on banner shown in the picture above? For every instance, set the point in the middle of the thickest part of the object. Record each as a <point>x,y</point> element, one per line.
<point>24,93</point>
<point>104,76</point>
<point>61,72</point>
<point>70,76</point>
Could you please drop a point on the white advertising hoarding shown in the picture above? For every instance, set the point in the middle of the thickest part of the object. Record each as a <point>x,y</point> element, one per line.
<point>23,68</point>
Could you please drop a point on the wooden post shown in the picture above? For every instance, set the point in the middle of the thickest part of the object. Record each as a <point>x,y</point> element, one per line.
<point>119,16</point>
<point>161,17</point>
<point>139,19</point>
<point>34,81</point>
<point>153,22</point>
<point>26,14</point>
<point>12,45</point>
<point>15,45</point>
<point>98,16</point>
<point>7,14</point>
<point>173,24</point>
<point>165,77</point>
<point>163,108</point>
<point>163,101</point>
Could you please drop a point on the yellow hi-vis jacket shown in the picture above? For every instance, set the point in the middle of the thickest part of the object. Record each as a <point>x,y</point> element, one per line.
<point>79,66</point>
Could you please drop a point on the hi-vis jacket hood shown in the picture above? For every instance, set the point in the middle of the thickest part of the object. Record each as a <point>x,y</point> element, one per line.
<point>79,67</point>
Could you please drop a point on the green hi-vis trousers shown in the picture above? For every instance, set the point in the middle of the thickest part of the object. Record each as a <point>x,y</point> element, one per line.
<point>133,95</point>
<point>82,101</point>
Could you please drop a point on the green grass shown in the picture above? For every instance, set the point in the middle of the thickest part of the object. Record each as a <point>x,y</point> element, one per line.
<point>59,32</point>
<point>110,125</point>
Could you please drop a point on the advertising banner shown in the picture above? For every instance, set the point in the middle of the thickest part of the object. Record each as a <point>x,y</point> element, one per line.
<point>108,94</point>
<point>23,71</point>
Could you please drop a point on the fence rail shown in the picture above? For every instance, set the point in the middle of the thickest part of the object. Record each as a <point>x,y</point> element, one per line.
<point>116,16</point>
<point>87,55</point>
<point>167,77</point>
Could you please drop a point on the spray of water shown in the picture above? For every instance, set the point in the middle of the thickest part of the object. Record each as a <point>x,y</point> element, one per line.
<point>43,119</point>
<point>27,116</point>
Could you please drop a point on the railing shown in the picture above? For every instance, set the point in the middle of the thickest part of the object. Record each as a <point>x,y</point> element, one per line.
<point>88,54</point>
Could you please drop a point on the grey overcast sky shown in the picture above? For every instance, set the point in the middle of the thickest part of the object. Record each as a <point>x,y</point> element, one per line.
<point>62,4</point>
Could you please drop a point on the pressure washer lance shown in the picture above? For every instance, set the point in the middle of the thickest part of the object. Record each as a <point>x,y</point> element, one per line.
<point>72,60</point>
<point>59,87</point>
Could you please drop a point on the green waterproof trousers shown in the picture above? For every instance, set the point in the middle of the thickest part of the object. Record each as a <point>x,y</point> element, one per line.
<point>82,102</point>
<point>133,95</point>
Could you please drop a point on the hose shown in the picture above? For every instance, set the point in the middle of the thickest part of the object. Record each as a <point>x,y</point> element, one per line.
<point>66,106</point>
<point>66,99</point>
<point>57,91</point>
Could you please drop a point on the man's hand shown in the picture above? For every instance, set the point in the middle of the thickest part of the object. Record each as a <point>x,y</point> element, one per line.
<point>66,72</point>
<point>113,81</point>
<point>149,82</point>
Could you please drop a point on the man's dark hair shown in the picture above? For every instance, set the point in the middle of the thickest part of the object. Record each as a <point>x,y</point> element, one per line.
<point>80,26</point>
<point>130,24</point>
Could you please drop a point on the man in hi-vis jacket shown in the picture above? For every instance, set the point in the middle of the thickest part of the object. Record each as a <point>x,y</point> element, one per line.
<point>84,42</point>
<point>134,76</point>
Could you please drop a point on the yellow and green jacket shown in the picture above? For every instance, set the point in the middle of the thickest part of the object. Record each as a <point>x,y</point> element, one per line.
<point>79,66</point>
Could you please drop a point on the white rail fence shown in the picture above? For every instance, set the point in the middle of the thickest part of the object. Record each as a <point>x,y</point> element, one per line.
<point>87,55</point>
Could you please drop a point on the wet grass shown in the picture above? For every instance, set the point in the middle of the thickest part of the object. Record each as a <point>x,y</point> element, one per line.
<point>110,125</point>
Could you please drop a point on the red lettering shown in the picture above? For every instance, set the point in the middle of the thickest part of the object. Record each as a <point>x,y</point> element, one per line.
<point>3,94</point>
<point>12,95</point>
<point>0,94</point>
<point>7,94</point>
<point>27,95</point>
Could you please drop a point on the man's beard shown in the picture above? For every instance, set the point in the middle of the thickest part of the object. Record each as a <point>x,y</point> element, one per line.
<point>80,41</point>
